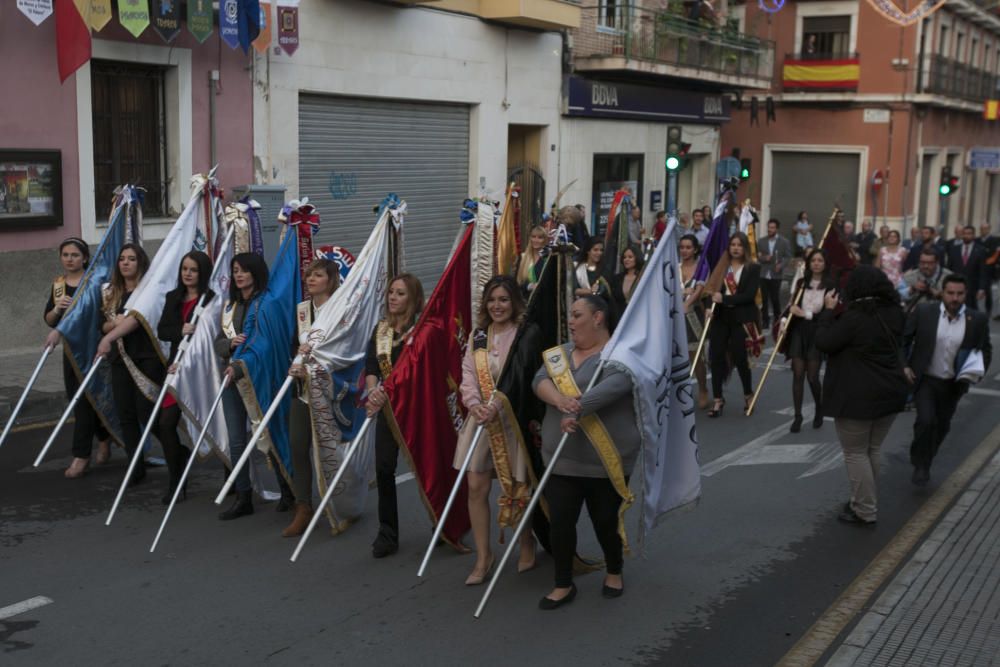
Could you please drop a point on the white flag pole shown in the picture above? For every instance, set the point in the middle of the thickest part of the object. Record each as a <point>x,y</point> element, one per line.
<point>69,408</point>
<point>24,394</point>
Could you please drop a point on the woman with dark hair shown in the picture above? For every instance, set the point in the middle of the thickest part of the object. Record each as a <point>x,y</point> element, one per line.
<point>733,330</point>
<point>404,300</point>
<point>176,323</point>
<point>322,280</point>
<point>694,312</point>
<point>137,370</point>
<point>590,278</point>
<point>624,283</point>
<point>75,257</point>
<point>248,281</point>
<point>500,338</point>
<point>864,386</point>
<point>601,450</point>
<point>801,347</point>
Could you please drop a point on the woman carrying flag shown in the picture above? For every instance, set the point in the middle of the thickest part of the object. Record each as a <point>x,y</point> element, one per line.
<point>501,338</point>
<point>75,256</point>
<point>404,301</point>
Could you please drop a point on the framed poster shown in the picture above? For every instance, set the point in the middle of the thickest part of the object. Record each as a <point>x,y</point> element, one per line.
<point>30,188</point>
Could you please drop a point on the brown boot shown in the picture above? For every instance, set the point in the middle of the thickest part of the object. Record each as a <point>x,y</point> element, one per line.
<point>303,515</point>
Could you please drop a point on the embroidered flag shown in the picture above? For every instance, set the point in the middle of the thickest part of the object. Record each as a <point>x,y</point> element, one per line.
<point>72,35</point>
<point>247,22</point>
<point>991,109</point>
<point>199,19</point>
<point>36,10</point>
<point>264,38</point>
<point>288,25</point>
<point>506,243</point>
<point>167,19</point>
<point>229,30</point>
<point>134,15</point>
<point>100,14</point>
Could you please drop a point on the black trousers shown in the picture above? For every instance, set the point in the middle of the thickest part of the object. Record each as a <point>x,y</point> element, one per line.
<point>134,409</point>
<point>174,452</point>
<point>300,440</point>
<point>386,458</point>
<point>727,344</point>
<point>566,496</point>
<point>935,401</point>
<point>770,291</point>
<point>87,424</point>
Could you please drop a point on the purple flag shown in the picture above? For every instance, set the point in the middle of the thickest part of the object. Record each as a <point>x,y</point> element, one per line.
<point>717,241</point>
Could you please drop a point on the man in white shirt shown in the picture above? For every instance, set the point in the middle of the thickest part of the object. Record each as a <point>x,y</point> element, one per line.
<point>698,226</point>
<point>939,338</point>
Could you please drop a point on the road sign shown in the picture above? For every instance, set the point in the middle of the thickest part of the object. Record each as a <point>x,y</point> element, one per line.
<point>877,180</point>
<point>984,157</point>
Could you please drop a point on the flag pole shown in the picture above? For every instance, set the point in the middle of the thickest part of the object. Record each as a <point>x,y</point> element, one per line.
<point>535,498</point>
<point>701,341</point>
<point>355,443</point>
<point>788,321</point>
<point>253,441</point>
<point>190,462</point>
<point>24,394</point>
<point>69,408</point>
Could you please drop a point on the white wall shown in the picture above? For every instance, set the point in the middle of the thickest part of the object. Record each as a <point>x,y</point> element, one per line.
<point>367,49</point>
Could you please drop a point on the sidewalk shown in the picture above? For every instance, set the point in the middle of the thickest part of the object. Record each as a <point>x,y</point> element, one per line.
<point>943,606</point>
<point>47,398</point>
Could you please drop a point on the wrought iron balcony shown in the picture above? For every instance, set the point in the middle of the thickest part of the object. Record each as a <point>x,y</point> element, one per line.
<point>954,79</point>
<point>633,39</point>
<point>821,72</point>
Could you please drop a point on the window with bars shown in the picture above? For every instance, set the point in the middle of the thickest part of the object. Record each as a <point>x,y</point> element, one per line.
<point>826,37</point>
<point>129,115</point>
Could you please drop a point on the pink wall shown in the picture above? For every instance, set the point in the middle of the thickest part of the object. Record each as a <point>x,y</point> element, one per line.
<point>37,112</point>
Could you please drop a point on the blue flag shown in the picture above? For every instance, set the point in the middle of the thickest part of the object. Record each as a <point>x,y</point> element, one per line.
<point>248,22</point>
<point>229,31</point>
<point>267,353</point>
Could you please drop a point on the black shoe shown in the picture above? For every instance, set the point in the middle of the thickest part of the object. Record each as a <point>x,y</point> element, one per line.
<point>796,424</point>
<point>138,475</point>
<point>386,543</point>
<point>818,419</point>
<point>921,475</point>
<point>716,410</point>
<point>849,516</point>
<point>170,494</point>
<point>549,604</point>
<point>242,506</point>
<point>286,503</point>
<point>611,593</point>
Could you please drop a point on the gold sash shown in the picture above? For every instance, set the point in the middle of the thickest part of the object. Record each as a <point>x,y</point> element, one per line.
<point>58,290</point>
<point>514,495</point>
<point>149,389</point>
<point>558,367</point>
<point>383,347</point>
<point>228,315</point>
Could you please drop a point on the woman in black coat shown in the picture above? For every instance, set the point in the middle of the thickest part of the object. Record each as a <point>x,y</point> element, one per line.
<point>864,387</point>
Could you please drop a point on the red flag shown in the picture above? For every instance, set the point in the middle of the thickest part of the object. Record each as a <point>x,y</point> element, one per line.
<point>423,390</point>
<point>72,36</point>
<point>838,254</point>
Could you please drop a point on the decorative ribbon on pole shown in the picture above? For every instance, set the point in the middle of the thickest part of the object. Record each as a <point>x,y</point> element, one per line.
<point>302,218</point>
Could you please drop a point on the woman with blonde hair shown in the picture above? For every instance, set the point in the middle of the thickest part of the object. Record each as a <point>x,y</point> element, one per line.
<point>529,264</point>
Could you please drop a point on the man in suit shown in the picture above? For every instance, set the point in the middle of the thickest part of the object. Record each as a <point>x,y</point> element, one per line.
<point>991,244</point>
<point>939,337</point>
<point>968,259</point>
<point>773,252</point>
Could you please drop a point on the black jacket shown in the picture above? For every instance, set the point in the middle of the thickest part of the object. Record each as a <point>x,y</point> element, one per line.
<point>742,306</point>
<point>864,370</point>
<point>975,270</point>
<point>170,328</point>
<point>920,336</point>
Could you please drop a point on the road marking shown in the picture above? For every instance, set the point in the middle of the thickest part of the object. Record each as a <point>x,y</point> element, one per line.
<point>749,449</point>
<point>855,598</point>
<point>405,477</point>
<point>32,427</point>
<point>21,607</point>
<point>984,392</point>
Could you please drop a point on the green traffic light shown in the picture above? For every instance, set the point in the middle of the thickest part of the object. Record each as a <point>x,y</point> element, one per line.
<point>673,163</point>
<point>944,189</point>
<point>744,174</point>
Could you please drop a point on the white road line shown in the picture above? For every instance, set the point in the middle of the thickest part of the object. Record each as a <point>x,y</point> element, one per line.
<point>21,607</point>
<point>749,449</point>
<point>984,392</point>
<point>405,477</point>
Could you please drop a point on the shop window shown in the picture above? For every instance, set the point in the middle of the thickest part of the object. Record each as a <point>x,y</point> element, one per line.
<point>826,37</point>
<point>129,120</point>
<point>611,174</point>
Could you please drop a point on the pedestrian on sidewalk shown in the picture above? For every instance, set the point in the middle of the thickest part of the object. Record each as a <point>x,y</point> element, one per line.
<point>864,386</point>
<point>773,253</point>
<point>940,338</point>
<point>968,258</point>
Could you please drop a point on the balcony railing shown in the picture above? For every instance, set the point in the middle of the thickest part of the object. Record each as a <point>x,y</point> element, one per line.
<point>690,49</point>
<point>821,72</point>
<point>954,79</point>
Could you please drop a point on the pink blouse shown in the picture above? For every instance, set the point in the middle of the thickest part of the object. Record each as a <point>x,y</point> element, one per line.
<point>499,348</point>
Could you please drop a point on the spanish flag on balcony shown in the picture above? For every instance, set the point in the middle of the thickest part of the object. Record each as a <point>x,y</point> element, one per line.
<point>991,109</point>
<point>840,74</point>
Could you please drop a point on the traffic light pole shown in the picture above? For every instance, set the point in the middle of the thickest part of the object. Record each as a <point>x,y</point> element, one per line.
<point>943,218</point>
<point>672,193</point>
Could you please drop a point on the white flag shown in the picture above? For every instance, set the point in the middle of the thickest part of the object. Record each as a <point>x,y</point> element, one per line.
<point>746,219</point>
<point>650,345</point>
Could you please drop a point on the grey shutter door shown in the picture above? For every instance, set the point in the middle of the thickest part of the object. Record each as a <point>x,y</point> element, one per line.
<point>354,151</point>
<point>813,182</point>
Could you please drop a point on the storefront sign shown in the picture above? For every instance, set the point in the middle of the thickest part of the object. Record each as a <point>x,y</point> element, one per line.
<point>602,99</point>
<point>984,157</point>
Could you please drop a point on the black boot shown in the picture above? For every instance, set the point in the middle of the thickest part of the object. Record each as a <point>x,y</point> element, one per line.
<point>242,506</point>
<point>796,424</point>
<point>386,542</point>
<point>170,493</point>
<point>287,500</point>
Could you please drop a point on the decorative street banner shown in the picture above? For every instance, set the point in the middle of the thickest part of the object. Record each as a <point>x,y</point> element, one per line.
<point>167,19</point>
<point>100,14</point>
<point>229,29</point>
<point>134,15</point>
<point>263,40</point>
<point>36,10</point>
<point>288,25</point>
<point>199,19</point>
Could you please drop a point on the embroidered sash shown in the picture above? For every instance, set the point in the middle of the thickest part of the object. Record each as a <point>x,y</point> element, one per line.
<point>558,367</point>
<point>58,290</point>
<point>149,389</point>
<point>514,495</point>
<point>754,342</point>
<point>228,315</point>
<point>383,347</point>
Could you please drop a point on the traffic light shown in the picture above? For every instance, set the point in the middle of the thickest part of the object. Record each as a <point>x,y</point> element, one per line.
<point>949,183</point>
<point>675,148</point>
<point>744,169</point>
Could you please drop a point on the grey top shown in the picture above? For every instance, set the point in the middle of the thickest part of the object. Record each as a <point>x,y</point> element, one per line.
<point>611,399</point>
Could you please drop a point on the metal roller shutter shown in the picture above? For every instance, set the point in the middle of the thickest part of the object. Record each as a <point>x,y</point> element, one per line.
<point>813,182</point>
<point>353,151</point>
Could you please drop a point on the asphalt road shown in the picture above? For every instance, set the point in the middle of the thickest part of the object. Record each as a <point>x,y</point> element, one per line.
<point>735,581</point>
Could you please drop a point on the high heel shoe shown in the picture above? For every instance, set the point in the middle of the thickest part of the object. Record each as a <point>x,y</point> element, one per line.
<point>818,418</point>
<point>747,400</point>
<point>716,410</point>
<point>77,469</point>
<point>170,494</point>
<point>796,424</point>
<point>476,579</point>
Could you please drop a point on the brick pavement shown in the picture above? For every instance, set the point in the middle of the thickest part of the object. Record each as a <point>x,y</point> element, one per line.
<point>943,606</point>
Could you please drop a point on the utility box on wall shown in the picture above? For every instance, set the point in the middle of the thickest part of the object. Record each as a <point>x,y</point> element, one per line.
<point>271,198</point>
